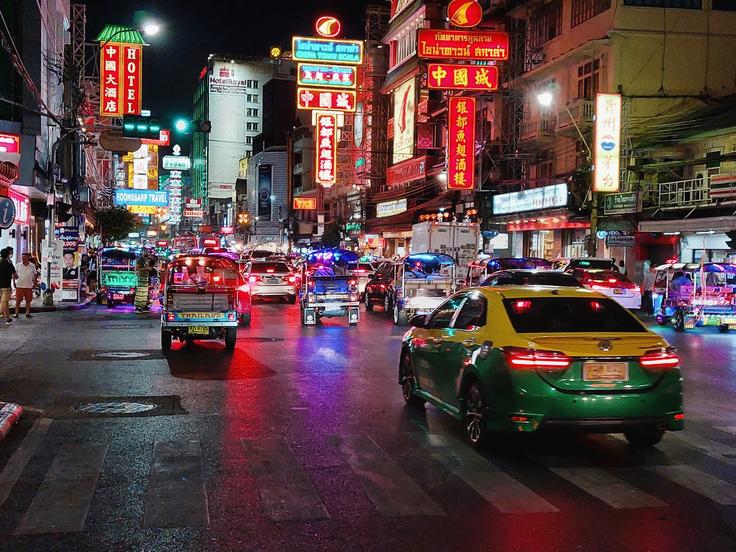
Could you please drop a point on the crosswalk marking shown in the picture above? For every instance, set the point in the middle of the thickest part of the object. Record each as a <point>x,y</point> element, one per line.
<point>728,429</point>
<point>388,487</point>
<point>62,502</point>
<point>286,491</point>
<point>709,447</point>
<point>20,458</point>
<point>720,492</point>
<point>176,496</point>
<point>505,493</point>
<point>607,487</point>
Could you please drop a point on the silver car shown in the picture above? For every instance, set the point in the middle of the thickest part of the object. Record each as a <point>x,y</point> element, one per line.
<point>272,279</point>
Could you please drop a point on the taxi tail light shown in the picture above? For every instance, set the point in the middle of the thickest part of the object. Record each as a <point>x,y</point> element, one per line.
<point>519,358</point>
<point>660,360</point>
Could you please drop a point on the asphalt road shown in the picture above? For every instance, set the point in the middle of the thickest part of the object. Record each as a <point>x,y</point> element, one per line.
<point>299,440</point>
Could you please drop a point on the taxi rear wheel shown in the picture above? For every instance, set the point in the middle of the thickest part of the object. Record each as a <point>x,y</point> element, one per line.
<point>475,430</point>
<point>644,438</point>
<point>231,337</point>
<point>408,382</point>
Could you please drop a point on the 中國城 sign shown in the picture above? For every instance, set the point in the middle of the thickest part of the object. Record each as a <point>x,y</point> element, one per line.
<point>448,76</point>
<point>328,50</point>
<point>328,100</point>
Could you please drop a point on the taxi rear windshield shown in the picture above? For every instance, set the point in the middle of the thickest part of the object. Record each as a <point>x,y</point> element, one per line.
<point>569,314</point>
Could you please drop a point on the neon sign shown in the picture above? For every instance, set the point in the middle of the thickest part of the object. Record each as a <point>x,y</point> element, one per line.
<point>329,100</point>
<point>446,76</point>
<point>461,143</point>
<point>326,147</point>
<point>607,147</point>
<point>327,50</point>
<point>337,76</point>
<point>328,27</point>
<point>462,45</point>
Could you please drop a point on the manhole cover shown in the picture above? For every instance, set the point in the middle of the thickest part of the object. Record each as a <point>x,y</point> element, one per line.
<point>114,408</point>
<point>119,354</point>
<point>116,355</point>
<point>260,339</point>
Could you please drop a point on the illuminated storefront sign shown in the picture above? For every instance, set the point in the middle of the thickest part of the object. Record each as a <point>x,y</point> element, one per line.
<point>338,76</point>
<point>607,147</point>
<point>328,27</point>
<point>462,45</point>
<point>464,13</point>
<point>461,143</point>
<point>326,147</point>
<point>331,100</point>
<point>120,79</point>
<point>145,198</point>
<point>193,213</point>
<point>305,203</point>
<point>22,207</point>
<point>390,208</point>
<point>9,143</point>
<point>446,76</point>
<point>404,117</point>
<point>546,197</point>
<point>406,171</point>
<point>327,50</point>
<point>177,162</point>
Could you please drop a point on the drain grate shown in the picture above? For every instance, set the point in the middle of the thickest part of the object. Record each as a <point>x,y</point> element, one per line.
<point>142,354</point>
<point>115,407</point>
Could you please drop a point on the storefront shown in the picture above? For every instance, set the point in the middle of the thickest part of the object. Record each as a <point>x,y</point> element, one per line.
<point>689,240</point>
<point>19,235</point>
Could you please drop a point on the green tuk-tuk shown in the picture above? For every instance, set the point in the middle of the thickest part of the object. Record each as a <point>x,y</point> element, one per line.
<point>116,278</point>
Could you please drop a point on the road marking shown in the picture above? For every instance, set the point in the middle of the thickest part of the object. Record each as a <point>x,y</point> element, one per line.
<point>287,493</point>
<point>22,455</point>
<point>720,492</point>
<point>505,493</point>
<point>606,487</point>
<point>709,447</point>
<point>388,487</point>
<point>728,429</point>
<point>62,501</point>
<point>176,496</point>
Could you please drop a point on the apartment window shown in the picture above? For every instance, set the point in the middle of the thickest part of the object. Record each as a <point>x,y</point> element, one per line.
<point>588,79</point>
<point>251,112</point>
<point>724,5</point>
<point>545,24</point>
<point>248,140</point>
<point>546,167</point>
<point>582,10</point>
<point>251,126</point>
<point>685,4</point>
<point>251,98</point>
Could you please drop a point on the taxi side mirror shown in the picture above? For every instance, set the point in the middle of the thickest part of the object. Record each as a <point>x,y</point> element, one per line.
<point>419,321</point>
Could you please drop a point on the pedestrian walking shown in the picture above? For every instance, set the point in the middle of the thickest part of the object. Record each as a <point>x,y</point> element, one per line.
<point>25,280</point>
<point>7,275</point>
<point>647,287</point>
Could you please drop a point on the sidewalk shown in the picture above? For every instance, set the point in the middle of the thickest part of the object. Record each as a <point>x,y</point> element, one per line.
<point>38,306</point>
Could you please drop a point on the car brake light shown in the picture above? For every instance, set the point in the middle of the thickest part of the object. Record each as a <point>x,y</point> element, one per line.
<point>519,358</point>
<point>659,360</point>
<point>612,280</point>
<point>292,279</point>
<point>270,270</point>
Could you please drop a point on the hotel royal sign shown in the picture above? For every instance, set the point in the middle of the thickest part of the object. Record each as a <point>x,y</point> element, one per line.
<point>607,146</point>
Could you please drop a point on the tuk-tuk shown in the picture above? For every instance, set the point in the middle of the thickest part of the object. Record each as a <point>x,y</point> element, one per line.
<point>690,295</point>
<point>116,278</point>
<point>328,288</point>
<point>480,269</point>
<point>423,282</point>
<point>205,297</point>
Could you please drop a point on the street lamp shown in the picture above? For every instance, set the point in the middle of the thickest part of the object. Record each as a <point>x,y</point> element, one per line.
<point>151,28</point>
<point>181,125</point>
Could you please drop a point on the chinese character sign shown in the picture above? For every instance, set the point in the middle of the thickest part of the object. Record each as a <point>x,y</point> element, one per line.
<point>326,147</point>
<point>120,79</point>
<point>329,100</point>
<point>446,76</point>
<point>461,143</point>
<point>606,176</point>
<point>317,74</point>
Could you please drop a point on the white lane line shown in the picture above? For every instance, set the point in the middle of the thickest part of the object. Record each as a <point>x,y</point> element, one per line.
<point>720,492</point>
<point>709,447</point>
<point>498,488</point>
<point>727,429</point>
<point>22,455</point>
<point>62,501</point>
<point>389,488</point>
<point>287,493</point>
<point>607,487</point>
<point>176,495</point>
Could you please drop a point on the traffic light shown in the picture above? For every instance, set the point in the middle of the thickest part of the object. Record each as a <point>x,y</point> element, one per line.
<point>203,126</point>
<point>141,127</point>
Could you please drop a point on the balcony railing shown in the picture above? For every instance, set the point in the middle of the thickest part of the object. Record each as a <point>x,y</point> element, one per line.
<point>581,112</point>
<point>539,129</point>
<point>695,192</point>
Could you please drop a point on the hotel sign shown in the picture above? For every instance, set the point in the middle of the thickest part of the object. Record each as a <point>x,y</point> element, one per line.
<point>120,79</point>
<point>447,76</point>
<point>327,50</point>
<point>462,45</point>
<point>607,146</point>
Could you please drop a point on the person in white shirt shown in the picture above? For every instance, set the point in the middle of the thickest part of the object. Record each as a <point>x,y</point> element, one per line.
<point>27,275</point>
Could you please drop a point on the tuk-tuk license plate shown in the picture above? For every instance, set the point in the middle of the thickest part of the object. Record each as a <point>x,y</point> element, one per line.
<point>199,330</point>
<point>118,296</point>
<point>605,371</point>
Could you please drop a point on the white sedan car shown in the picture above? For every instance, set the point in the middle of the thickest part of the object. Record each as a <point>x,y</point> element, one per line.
<point>613,284</point>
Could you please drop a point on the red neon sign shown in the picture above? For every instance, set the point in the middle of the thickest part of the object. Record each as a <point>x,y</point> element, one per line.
<point>22,207</point>
<point>461,143</point>
<point>464,13</point>
<point>462,45</point>
<point>305,203</point>
<point>110,100</point>
<point>164,138</point>
<point>132,55</point>
<point>446,76</point>
<point>9,143</point>
<point>326,147</point>
<point>330,100</point>
<point>328,27</point>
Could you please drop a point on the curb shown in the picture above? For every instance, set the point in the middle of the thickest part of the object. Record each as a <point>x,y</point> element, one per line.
<point>61,307</point>
<point>9,414</point>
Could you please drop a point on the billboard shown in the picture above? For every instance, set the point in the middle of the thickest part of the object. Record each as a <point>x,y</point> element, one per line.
<point>464,13</point>
<point>142,198</point>
<point>607,146</point>
<point>305,203</point>
<point>326,149</point>
<point>533,199</point>
<point>404,116</point>
<point>317,74</point>
<point>462,45</point>
<point>265,186</point>
<point>331,100</point>
<point>120,79</point>
<point>448,76</point>
<point>461,143</point>
<point>328,50</point>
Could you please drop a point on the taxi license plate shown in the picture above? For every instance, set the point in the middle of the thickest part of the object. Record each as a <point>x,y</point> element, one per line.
<point>605,371</point>
<point>273,281</point>
<point>200,315</point>
<point>199,330</point>
<point>118,296</point>
<point>618,291</point>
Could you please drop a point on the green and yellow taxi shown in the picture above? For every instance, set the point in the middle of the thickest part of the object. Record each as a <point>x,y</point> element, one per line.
<point>531,358</point>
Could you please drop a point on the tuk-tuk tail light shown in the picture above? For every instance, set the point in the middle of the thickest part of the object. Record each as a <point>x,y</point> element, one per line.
<point>170,316</point>
<point>231,316</point>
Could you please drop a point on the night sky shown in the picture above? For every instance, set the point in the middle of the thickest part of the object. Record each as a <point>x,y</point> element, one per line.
<point>192,30</point>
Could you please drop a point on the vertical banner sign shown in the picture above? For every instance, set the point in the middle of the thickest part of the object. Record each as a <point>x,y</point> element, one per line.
<point>606,175</point>
<point>461,143</point>
<point>404,117</point>
<point>110,102</point>
<point>265,183</point>
<point>326,138</point>
<point>132,54</point>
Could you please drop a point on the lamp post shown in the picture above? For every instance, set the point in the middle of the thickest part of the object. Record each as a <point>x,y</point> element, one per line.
<point>545,99</point>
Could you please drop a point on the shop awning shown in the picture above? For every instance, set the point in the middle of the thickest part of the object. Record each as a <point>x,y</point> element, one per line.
<point>716,224</point>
